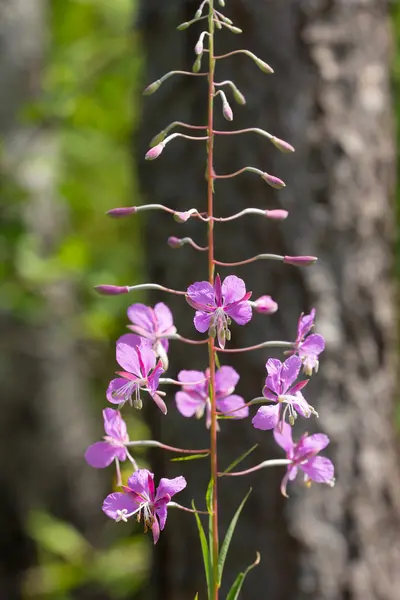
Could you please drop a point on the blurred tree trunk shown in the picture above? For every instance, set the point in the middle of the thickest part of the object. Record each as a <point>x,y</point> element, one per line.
<point>45,425</point>
<point>330,98</point>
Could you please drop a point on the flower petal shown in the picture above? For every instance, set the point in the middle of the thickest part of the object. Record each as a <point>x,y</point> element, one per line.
<point>226,379</point>
<point>202,321</point>
<point>147,358</point>
<point>314,344</point>
<point>161,512</point>
<point>233,289</point>
<point>314,443</point>
<point>305,324</point>
<point>233,403</point>
<point>187,403</point>
<point>289,372</point>
<point>101,455</point>
<point>114,425</point>
<point>201,295</point>
<point>170,487</point>
<point>283,436</point>
<point>119,390</point>
<point>154,378</point>
<point>165,320</point>
<point>139,484</point>
<point>320,469</point>
<point>127,356</point>
<point>160,403</point>
<point>155,530</point>
<point>266,417</point>
<point>142,316</point>
<point>241,313</point>
<point>119,501</point>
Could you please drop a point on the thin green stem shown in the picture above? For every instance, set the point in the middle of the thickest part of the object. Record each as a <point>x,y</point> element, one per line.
<point>211,348</point>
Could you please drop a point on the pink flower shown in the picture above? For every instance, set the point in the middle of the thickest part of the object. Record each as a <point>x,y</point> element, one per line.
<point>279,388</point>
<point>303,456</point>
<point>265,305</point>
<point>137,358</point>
<point>217,304</point>
<point>142,499</point>
<point>102,454</point>
<point>308,347</point>
<point>194,399</point>
<point>153,324</point>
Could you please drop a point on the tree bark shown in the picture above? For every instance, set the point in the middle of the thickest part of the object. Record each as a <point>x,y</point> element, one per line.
<point>329,97</point>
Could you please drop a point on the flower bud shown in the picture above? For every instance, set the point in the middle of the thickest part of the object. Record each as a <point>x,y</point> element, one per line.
<point>198,13</point>
<point>281,145</point>
<point>221,3</point>
<point>111,290</point>
<point>226,110</point>
<point>234,29</point>
<point>197,64</point>
<point>153,87</point>
<point>183,26</point>
<point>157,139</point>
<point>240,99</point>
<point>155,152</point>
<point>122,212</point>
<point>263,66</point>
<point>174,242</point>
<point>199,47</point>
<point>273,181</point>
<point>277,215</point>
<point>182,217</point>
<point>265,305</point>
<point>300,261</point>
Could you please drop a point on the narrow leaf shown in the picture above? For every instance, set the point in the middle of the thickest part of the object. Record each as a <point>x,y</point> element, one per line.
<point>217,363</point>
<point>205,551</point>
<point>189,457</point>
<point>237,585</point>
<point>228,537</point>
<point>240,459</point>
<point>196,596</point>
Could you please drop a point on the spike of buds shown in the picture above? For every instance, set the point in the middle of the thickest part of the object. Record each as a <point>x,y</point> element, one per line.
<point>278,214</point>
<point>273,181</point>
<point>122,212</point>
<point>281,145</point>
<point>152,88</point>
<point>111,290</point>
<point>265,305</point>
<point>155,152</point>
<point>300,261</point>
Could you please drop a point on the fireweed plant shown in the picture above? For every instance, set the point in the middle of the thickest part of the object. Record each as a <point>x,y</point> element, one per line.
<point>220,306</point>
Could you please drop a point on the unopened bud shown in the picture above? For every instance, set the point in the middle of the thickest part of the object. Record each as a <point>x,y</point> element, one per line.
<point>199,47</point>
<point>182,217</point>
<point>218,24</point>
<point>212,332</point>
<point>221,2</point>
<point>153,87</point>
<point>197,64</point>
<point>122,212</point>
<point>155,152</point>
<point>157,139</point>
<point>228,334</point>
<point>111,290</point>
<point>198,13</point>
<point>183,26</point>
<point>277,215</point>
<point>240,99</point>
<point>263,66</point>
<point>174,242</point>
<point>282,145</point>
<point>273,181</point>
<point>300,261</point>
<point>227,111</point>
<point>265,305</point>
<point>234,29</point>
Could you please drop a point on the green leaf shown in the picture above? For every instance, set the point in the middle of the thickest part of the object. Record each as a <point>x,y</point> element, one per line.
<point>217,363</point>
<point>209,504</point>
<point>196,596</point>
<point>240,458</point>
<point>205,552</point>
<point>237,585</point>
<point>189,457</point>
<point>228,537</point>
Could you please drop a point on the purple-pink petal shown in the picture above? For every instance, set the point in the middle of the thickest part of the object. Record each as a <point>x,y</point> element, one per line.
<point>170,487</point>
<point>283,437</point>
<point>233,289</point>
<point>138,482</point>
<point>305,324</point>
<point>290,371</point>
<point>266,417</point>
<point>188,404</point>
<point>201,295</point>
<point>127,357</point>
<point>117,502</point>
<point>202,321</point>
<point>148,358</point>
<point>102,454</point>
<point>160,403</point>
<point>114,425</point>
<point>314,443</point>
<point>226,379</point>
<point>241,313</point>
<point>320,469</point>
<point>165,320</point>
<point>142,316</point>
<point>117,392</point>
<point>161,511</point>
<point>155,530</point>
<point>154,378</point>
<point>233,403</point>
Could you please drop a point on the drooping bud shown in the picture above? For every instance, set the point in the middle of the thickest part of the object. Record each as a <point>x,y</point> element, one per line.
<point>263,65</point>
<point>153,87</point>
<point>183,26</point>
<point>226,109</point>
<point>300,261</point>
<point>157,139</point>
<point>273,181</point>
<point>122,212</point>
<point>240,99</point>
<point>198,13</point>
<point>197,64</point>
<point>111,290</point>
<point>282,145</point>
<point>265,305</point>
<point>277,214</point>
<point>182,217</point>
<point>199,47</point>
<point>174,242</point>
<point>155,152</point>
<point>233,28</point>
<point>221,3</point>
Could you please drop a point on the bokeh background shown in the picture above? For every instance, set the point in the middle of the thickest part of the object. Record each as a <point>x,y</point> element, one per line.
<point>74,130</point>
